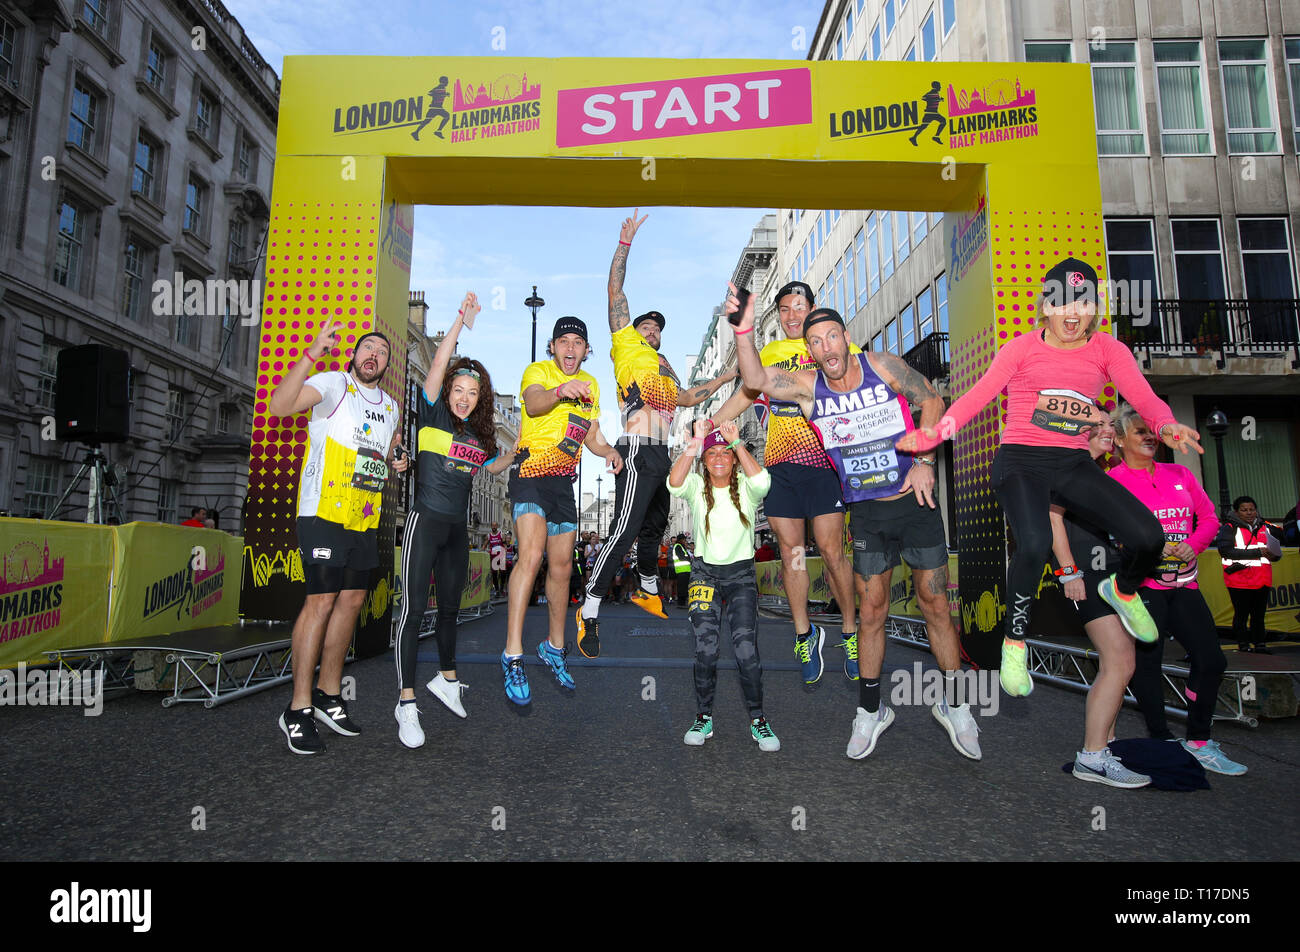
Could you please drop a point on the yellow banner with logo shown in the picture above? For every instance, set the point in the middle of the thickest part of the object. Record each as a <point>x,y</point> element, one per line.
<point>1283,613</point>
<point>173,578</point>
<point>477,578</point>
<point>54,592</point>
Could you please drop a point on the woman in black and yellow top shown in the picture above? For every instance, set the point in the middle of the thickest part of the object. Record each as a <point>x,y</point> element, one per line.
<point>456,440</point>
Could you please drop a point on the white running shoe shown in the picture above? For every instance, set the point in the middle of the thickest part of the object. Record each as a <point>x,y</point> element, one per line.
<point>962,729</point>
<point>1106,768</point>
<point>866,728</point>
<point>449,692</point>
<point>409,731</point>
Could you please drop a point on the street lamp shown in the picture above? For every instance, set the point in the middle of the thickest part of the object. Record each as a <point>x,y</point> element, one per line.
<point>1217,424</point>
<point>534,304</point>
<point>599,531</point>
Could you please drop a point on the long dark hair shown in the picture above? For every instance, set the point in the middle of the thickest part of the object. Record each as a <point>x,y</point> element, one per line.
<point>733,487</point>
<point>480,420</point>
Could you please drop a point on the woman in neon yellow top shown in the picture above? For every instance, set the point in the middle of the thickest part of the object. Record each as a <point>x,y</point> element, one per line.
<point>723,504</point>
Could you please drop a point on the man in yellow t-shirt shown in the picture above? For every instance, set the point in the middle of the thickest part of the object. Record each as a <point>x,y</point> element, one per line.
<point>650,394</point>
<point>561,415</point>
<point>804,487</point>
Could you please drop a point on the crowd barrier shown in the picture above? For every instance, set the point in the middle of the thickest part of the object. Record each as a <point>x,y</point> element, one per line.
<point>902,593</point>
<point>477,581</point>
<point>68,585</point>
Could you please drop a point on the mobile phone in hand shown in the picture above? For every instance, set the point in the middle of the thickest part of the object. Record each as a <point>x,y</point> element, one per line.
<point>399,451</point>
<point>743,297</point>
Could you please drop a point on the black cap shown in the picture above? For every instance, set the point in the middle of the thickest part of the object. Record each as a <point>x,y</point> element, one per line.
<point>796,287</point>
<point>820,315</point>
<point>1068,281</point>
<point>569,325</point>
<point>650,316</point>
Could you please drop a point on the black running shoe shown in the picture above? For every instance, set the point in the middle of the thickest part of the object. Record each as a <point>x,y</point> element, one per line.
<point>300,729</point>
<point>333,713</point>
<point>588,636</point>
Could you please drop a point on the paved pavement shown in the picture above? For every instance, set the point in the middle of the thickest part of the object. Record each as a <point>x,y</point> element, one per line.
<point>602,773</point>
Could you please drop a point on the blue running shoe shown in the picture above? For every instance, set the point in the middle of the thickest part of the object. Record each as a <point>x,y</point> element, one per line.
<point>1213,759</point>
<point>555,660</point>
<point>809,652</point>
<point>516,680</point>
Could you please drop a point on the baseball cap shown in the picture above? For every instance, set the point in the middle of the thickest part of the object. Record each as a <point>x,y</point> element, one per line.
<point>1070,280</point>
<point>713,439</point>
<point>650,316</point>
<point>569,325</point>
<point>820,315</point>
<point>796,287</point>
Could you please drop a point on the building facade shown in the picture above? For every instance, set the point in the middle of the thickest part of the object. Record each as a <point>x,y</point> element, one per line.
<point>136,147</point>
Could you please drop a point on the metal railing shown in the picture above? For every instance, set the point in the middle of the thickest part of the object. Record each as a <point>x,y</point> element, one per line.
<point>1184,327</point>
<point>930,356</point>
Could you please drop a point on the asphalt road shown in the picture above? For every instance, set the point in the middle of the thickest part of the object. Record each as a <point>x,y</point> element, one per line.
<point>602,773</point>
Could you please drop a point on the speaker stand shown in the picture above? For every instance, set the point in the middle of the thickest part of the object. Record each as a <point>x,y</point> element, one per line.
<point>95,464</point>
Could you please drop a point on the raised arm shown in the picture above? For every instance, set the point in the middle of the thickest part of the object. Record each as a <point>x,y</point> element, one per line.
<point>686,459</point>
<point>796,388</point>
<point>748,465</point>
<point>737,403</point>
<point>619,317</point>
<point>697,395</point>
<point>294,395</point>
<point>442,359</point>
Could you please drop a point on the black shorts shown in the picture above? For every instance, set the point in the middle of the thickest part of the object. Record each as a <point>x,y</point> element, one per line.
<point>336,559</point>
<point>883,531</point>
<point>1093,607</point>
<point>802,492</point>
<point>550,497</point>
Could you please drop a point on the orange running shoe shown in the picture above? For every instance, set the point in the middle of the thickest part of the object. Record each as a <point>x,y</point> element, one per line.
<point>650,603</point>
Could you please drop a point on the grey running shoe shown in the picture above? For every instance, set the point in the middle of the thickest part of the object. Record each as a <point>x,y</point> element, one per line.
<point>866,728</point>
<point>961,728</point>
<point>1107,769</point>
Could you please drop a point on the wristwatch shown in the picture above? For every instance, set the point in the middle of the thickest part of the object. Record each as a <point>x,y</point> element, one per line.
<point>927,460</point>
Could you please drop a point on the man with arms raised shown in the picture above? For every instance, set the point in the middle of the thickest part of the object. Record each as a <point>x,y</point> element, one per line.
<point>860,405</point>
<point>351,433</point>
<point>650,394</point>
<point>561,416</point>
<point>804,487</point>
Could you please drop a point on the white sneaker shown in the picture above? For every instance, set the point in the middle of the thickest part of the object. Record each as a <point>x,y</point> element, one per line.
<point>448,692</point>
<point>961,728</point>
<point>409,731</point>
<point>866,728</point>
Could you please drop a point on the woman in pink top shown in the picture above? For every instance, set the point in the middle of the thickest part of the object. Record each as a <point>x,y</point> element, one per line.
<point>1171,596</point>
<point>1052,378</point>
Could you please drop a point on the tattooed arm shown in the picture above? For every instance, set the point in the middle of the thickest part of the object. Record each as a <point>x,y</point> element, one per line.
<point>619,317</point>
<point>697,395</point>
<point>796,387</point>
<point>903,378</point>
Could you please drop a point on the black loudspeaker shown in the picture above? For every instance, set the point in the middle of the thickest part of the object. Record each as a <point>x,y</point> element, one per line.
<point>90,403</point>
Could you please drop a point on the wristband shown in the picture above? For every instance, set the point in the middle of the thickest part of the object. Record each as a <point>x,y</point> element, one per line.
<point>733,444</point>
<point>709,421</point>
<point>746,331</point>
<point>627,243</point>
<point>1071,578</point>
<point>928,461</point>
<point>1066,570</point>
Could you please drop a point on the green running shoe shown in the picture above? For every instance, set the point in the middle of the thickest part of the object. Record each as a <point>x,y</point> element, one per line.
<point>1132,613</point>
<point>762,732</point>
<point>1013,674</point>
<point>700,731</point>
<point>850,646</point>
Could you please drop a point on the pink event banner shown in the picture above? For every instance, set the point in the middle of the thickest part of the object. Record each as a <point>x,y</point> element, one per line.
<point>683,107</point>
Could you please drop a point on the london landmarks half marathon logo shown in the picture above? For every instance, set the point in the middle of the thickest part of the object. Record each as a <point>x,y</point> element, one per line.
<point>194,589</point>
<point>999,111</point>
<point>505,106</point>
<point>31,592</point>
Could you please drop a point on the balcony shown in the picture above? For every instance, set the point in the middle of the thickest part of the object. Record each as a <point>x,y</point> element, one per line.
<point>930,357</point>
<point>1215,330</point>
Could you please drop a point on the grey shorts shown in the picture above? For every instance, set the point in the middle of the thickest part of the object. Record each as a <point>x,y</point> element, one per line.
<point>885,531</point>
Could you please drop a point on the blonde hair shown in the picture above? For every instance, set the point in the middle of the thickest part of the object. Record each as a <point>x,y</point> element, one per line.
<point>1042,315</point>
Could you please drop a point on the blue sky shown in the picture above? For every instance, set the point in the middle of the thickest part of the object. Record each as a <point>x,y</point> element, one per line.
<point>682,256</point>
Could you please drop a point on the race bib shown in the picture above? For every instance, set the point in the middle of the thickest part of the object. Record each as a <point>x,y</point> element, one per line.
<point>370,472</point>
<point>701,597</point>
<point>1065,412</point>
<point>574,433</point>
<point>465,457</point>
<point>865,439</point>
<point>1169,568</point>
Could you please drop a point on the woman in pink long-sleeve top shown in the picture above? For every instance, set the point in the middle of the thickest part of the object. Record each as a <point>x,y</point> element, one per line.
<point>1171,594</point>
<point>1052,378</point>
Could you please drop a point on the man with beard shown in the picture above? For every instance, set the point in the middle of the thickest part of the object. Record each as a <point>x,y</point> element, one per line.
<point>650,394</point>
<point>351,433</point>
<point>860,406</point>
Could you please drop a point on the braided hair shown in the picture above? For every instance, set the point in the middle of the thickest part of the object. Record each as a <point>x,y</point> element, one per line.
<point>734,488</point>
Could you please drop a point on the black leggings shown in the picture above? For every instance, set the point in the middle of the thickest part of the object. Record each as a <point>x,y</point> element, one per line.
<point>1248,607</point>
<point>439,545</point>
<point>1027,480</point>
<point>640,511</point>
<point>1182,614</point>
<point>733,584</point>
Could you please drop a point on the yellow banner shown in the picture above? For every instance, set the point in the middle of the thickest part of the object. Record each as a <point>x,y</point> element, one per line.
<point>1283,612</point>
<point>173,578</point>
<point>476,580</point>
<point>54,592</point>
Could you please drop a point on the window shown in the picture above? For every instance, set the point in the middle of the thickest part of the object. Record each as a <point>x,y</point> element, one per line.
<point>873,254</point>
<point>42,487</point>
<point>878,342</point>
<point>1271,449</point>
<point>929,47</point>
<point>850,292</point>
<point>175,415</point>
<point>891,336</point>
<point>941,302</point>
<point>168,493</point>
<point>68,245</point>
<point>1293,81</point>
<point>1184,129</point>
<point>1198,258</point>
<point>919,228</point>
<point>889,18</point>
<point>135,283</point>
<point>860,251</point>
<point>1266,258</point>
<point>95,13</point>
<point>907,322</point>
<point>901,233</point>
<point>231,342</point>
<point>196,201</point>
<point>821,232</point>
<point>1246,96</point>
<point>47,376</point>
<point>1115,93</point>
<point>155,67</point>
<point>237,249</point>
<point>83,122</point>
<point>1037,52</point>
<point>131,377</point>
<point>910,55</point>
<point>886,246</point>
<point>1131,261</point>
<point>8,54</point>
<point>837,292</point>
<point>227,418</point>
<point>925,313</point>
<point>848,23</point>
<point>147,163</point>
<point>187,320</point>
<point>206,116</point>
<point>949,16</point>
<point>875,42</point>
<point>839,47</point>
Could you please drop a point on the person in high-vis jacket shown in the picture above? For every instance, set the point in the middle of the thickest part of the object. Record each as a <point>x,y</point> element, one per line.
<point>680,558</point>
<point>1248,546</point>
